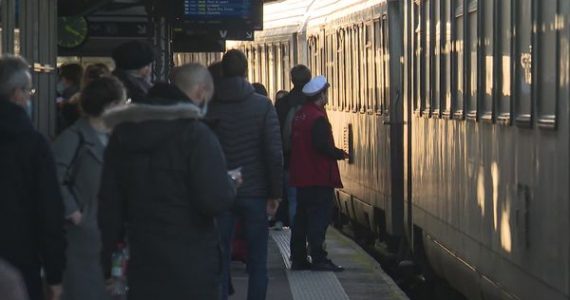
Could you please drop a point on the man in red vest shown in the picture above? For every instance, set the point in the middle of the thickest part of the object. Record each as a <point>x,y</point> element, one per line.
<point>314,172</point>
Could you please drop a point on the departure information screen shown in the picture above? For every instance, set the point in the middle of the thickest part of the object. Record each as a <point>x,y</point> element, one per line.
<point>206,9</point>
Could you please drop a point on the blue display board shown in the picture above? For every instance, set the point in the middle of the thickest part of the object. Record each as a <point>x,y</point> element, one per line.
<point>218,8</point>
<point>244,14</point>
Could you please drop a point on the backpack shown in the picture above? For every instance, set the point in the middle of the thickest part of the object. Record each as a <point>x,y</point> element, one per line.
<point>288,128</point>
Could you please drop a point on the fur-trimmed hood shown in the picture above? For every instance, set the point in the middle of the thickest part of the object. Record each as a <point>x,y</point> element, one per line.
<point>145,127</point>
<point>137,113</point>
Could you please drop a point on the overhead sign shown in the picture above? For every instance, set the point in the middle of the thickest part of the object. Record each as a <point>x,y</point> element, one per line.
<point>119,29</point>
<point>232,34</point>
<point>245,14</point>
<point>236,34</point>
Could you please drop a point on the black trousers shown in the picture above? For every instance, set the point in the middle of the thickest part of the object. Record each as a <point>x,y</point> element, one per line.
<point>314,211</point>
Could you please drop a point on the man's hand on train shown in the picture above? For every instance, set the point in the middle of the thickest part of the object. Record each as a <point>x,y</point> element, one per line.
<point>272,205</point>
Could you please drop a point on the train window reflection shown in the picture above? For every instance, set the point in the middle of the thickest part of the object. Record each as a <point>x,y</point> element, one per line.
<point>473,57</point>
<point>523,63</point>
<point>428,91</point>
<point>460,60</point>
<point>506,35</point>
<point>437,59</point>
<point>446,48</point>
<point>547,67</point>
<point>488,59</point>
<point>417,59</point>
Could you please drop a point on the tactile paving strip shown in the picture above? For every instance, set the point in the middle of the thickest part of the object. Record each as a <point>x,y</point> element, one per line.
<point>307,285</point>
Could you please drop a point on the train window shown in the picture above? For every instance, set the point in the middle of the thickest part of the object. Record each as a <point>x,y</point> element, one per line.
<point>427,80</point>
<point>253,71</point>
<point>371,75</point>
<point>355,69</point>
<point>278,69</point>
<point>418,58</point>
<point>446,52</point>
<point>487,48</point>
<point>334,69</point>
<point>341,58</point>
<point>505,62</point>
<point>249,56</point>
<point>437,57</point>
<point>523,62</point>
<point>548,53</point>
<point>270,83</point>
<point>386,65</point>
<point>358,68</point>
<point>379,66</point>
<point>348,69</point>
<point>473,57</point>
<point>459,65</point>
<point>286,66</point>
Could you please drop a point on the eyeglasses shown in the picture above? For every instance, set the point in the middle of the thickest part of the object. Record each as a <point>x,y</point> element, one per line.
<point>30,91</point>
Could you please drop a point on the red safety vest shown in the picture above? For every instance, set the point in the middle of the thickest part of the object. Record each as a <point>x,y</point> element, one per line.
<point>309,167</point>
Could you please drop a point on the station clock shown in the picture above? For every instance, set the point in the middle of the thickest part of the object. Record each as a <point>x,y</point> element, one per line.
<point>72,31</point>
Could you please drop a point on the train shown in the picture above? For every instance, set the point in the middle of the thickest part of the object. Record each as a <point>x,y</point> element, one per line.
<point>455,113</point>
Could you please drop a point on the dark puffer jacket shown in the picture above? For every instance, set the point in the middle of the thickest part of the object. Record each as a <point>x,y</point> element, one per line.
<point>31,207</point>
<point>248,129</point>
<point>164,180</point>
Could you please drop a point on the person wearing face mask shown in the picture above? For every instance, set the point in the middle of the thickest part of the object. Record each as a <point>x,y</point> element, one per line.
<point>31,206</point>
<point>164,181</point>
<point>133,66</point>
<point>79,159</point>
<point>314,172</point>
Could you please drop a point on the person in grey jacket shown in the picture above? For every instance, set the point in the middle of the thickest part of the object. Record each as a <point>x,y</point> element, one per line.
<point>248,129</point>
<point>79,157</point>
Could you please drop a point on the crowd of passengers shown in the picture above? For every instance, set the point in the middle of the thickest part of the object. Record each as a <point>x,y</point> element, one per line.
<point>167,168</point>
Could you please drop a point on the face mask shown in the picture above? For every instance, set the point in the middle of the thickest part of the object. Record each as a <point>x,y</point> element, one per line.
<point>204,108</point>
<point>60,87</point>
<point>29,108</point>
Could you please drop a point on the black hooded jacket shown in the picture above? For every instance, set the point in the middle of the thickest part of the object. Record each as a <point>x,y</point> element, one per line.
<point>164,180</point>
<point>295,98</point>
<point>248,129</point>
<point>31,207</point>
<point>137,88</point>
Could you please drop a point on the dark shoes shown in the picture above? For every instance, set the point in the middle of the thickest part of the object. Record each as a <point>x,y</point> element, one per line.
<point>300,265</point>
<point>326,265</point>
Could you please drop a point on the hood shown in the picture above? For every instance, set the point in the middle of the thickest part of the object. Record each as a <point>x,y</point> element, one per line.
<point>233,89</point>
<point>13,119</point>
<point>145,127</point>
<point>138,113</point>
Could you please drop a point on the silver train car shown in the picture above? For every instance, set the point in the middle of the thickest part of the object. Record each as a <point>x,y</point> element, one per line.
<point>456,115</point>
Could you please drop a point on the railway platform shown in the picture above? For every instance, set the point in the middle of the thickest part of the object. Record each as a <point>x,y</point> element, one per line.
<point>362,279</point>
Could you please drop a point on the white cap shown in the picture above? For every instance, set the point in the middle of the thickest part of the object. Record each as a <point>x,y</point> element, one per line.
<point>315,86</point>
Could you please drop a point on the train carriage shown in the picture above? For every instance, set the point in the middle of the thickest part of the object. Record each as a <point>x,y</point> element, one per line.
<point>487,109</point>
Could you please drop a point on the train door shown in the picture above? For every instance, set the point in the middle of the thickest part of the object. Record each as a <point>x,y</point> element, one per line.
<point>392,33</point>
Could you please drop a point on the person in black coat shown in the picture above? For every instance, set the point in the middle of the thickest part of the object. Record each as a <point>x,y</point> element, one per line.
<point>286,108</point>
<point>248,129</point>
<point>31,206</point>
<point>164,180</point>
<point>133,66</point>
